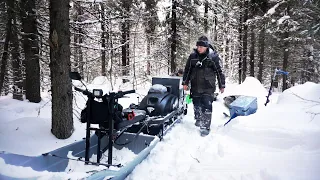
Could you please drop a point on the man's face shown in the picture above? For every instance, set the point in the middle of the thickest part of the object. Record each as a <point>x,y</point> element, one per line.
<point>201,49</point>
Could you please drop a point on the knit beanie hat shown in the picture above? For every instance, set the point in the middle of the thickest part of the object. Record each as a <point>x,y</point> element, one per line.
<point>203,41</point>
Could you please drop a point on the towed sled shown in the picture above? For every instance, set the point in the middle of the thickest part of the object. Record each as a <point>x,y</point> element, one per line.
<point>137,129</point>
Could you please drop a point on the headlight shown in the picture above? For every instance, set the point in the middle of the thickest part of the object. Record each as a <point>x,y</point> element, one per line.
<point>97,93</point>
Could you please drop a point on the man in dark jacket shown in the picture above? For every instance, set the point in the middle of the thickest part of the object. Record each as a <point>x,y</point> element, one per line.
<point>201,71</point>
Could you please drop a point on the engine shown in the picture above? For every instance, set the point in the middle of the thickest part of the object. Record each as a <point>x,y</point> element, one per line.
<point>163,97</point>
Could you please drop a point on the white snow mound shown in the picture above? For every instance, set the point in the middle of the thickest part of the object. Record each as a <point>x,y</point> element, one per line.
<point>308,91</point>
<point>250,87</point>
<point>101,82</point>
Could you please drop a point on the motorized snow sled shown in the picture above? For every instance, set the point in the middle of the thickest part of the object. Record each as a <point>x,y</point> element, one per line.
<point>137,128</point>
<point>163,105</point>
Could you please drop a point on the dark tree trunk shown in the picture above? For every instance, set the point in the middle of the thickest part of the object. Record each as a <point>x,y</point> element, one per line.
<point>285,51</point>
<point>245,41</point>
<point>285,60</point>
<point>76,50</point>
<point>5,54</point>
<point>103,40</point>
<point>240,43</point>
<point>148,55</point>
<point>261,53</point>
<point>16,61</point>
<point>252,39</point>
<point>111,54</point>
<point>263,6</point>
<point>124,58</point>
<point>78,39</point>
<point>31,50</point>
<point>151,21</point>
<point>215,19</point>
<point>125,30</point>
<point>206,9</point>
<point>173,36</point>
<point>80,60</point>
<point>59,39</point>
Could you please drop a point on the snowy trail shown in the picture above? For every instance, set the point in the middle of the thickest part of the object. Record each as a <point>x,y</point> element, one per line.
<point>180,150</point>
<point>230,153</point>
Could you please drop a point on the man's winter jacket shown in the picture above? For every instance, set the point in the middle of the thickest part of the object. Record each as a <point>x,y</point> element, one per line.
<point>202,70</point>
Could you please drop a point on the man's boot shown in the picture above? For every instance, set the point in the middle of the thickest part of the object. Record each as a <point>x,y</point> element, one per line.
<point>197,115</point>
<point>205,122</point>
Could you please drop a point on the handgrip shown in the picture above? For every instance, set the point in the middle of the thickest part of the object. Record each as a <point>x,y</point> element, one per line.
<point>128,92</point>
<point>78,89</point>
<point>85,92</point>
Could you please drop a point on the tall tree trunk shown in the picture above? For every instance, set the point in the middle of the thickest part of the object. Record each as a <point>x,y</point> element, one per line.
<point>240,43</point>
<point>245,41</point>
<point>215,20</point>
<point>285,60</point>
<point>31,50</point>
<point>261,52</point>
<point>206,9</point>
<point>76,50</point>
<point>151,22</point>
<point>16,61</point>
<point>81,60</point>
<point>285,51</point>
<point>111,54</point>
<point>125,30</point>
<point>59,39</point>
<point>5,54</point>
<point>252,44</point>
<point>79,39</point>
<point>173,36</point>
<point>148,55</point>
<point>252,39</point>
<point>103,41</point>
<point>124,51</point>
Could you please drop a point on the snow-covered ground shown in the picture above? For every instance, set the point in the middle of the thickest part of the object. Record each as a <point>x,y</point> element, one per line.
<point>278,142</point>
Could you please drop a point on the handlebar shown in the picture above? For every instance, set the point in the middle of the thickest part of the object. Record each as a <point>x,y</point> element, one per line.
<point>119,94</point>
<point>83,91</point>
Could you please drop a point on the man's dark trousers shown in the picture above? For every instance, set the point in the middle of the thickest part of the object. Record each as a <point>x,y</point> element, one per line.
<point>203,110</point>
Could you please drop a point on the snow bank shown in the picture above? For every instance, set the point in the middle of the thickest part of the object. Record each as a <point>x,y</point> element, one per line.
<point>307,92</point>
<point>250,87</point>
<point>28,172</point>
<point>293,121</point>
<point>34,135</point>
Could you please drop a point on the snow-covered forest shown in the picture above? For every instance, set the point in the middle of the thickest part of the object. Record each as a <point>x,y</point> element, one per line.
<point>123,45</point>
<point>131,41</point>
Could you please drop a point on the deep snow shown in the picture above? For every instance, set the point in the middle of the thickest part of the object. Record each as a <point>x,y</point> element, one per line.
<point>277,142</point>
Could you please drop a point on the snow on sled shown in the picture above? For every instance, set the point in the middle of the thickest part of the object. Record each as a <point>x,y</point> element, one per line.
<point>133,131</point>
